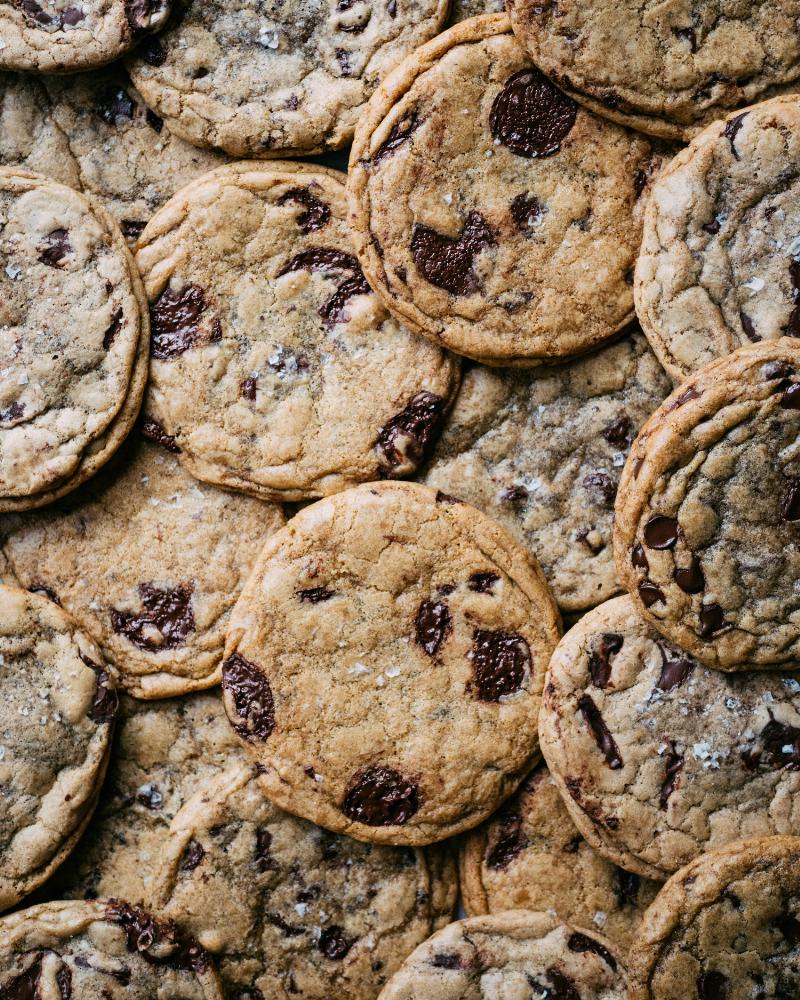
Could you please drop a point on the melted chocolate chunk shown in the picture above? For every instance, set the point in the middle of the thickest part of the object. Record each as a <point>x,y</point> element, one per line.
<point>192,856</point>
<point>105,700</point>
<point>639,558</point>
<point>448,263</point>
<point>404,440</point>
<point>674,766</point>
<point>150,796</point>
<point>433,624</point>
<point>530,116</point>
<point>140,13</point>
<point>64,982</point>
<point>676,668</point>
<point>113,329</point>
<point>712,619</point>
<point>790,504</point>
<point>380,796</point>
<point>626,887</point>
<point>792,328</point>
<point>688,35</point>
<point>286,928</point>
<point>790,400</point>
<point>33,10</point>
<point>333,944</point>
<point>690,578</point>
<point>602,735</point>
<point>685,397</point>
<point>446,960</point>
<point>508,846</point>
<point>446,498</point>
<point>317,213</point>
<point>559,987</point>
<point>582,943</point>
<point>159,943</point>
<point>601,657</point>
<point>713,985</point>
<point>114,105</point>
<point>713,227</point>
<point>788,926</point>
<point>25,986</point>
<point>661,532</point>
<point>333,310</point>
<point>265,862</point>
<point>44,591</point>
<point>175,318</point>
<point>399,133</point>
<point>12,413</point>
<point>55,248</point>
<point>314,595</point>
<point>526,211</point>
<point>166,622</point>
<point>132,229</point>
<point>248,387</point>
<point>481,583</point>
<point>777,746</point>
<point>749,327</point>
<point>732,129</point>
<point>500,663</point>
<point>252,699</point>
<point>651,594</point>
<point>619,432</point>
<point>602,488</point>
<point>329,262</point>
<point>153,431</point>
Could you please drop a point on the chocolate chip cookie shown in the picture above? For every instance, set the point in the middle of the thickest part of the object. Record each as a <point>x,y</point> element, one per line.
<point>720,259</point>
<point>163,752</point>
<point>708,512</point>
<point>490,212</point>
<point>726,927</point>
<point>541,452</point>
<point>148,560</point>
<point>512,954</point>
<point>530,856</point>
<point>659,757</point>
<point>100,951</point>
<point>460,10</point>
<point>73,339</point>
<point>385,664</point>
<point>275,367</point>
<point>57,708</point>
<point>288,909</point>
<point>668,69</point>
<point>62,36</point>
<point>277,77</point>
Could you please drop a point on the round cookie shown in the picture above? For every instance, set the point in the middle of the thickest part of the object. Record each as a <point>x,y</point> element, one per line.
<point>277,79</point>
<point>101,951</point>
<point>667,69</point>
<point>659,758</point>
<point>508,955</point>
<point>719,261</point>
<point>148,560</point>
<point>275,368</point>
<point>288,909</point>
<point>163,752</point>
<point>541,452</point>
<point>385,663</point>
<point>726,927</point>
<point>72,326</point>
<point>706,523</point>
<point>490,212</point>
<point>57,708</point>
<point>61,36</point>
<point>529,856</point>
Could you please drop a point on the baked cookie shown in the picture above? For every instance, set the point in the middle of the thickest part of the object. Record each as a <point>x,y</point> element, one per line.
<point>667,69</point>
<point>460,10</point>
<point>288,909</point>
<point>530,856</point>
<point>385,664</point>
<point>72,324</point>
<point>720,262</point>
<point>708,511</point>
<point>163,752</point>
<point>659,758</point>
<point>148,560</point>
<point>541,452</point>
<point>508,955</point>
<point>100,951</point>
<point>57,708</point>
<point>726,927</point>
<point>275,368</point>
<point>277,77</point>
<point>489,211</point>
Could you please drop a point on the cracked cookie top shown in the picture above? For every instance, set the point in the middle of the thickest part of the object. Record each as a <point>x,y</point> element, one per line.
<point>385,664</point>
<point>708,511</point>
<point>542,451</point>
<point>489,210</point>
<point>720,259</point>
<point>514,954</point>
<point>658,757</point>
<point>57,709</point>
<point>668,69</point>
<point>288,909</point>
<point>275,368</point>
<point>148,560</point>
<point>726,927</point>
<point>63,36</point>
<point>105,950</point>
<point>277,77</point>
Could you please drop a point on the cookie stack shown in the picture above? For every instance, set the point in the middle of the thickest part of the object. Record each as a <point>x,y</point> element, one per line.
<point>425,533</point>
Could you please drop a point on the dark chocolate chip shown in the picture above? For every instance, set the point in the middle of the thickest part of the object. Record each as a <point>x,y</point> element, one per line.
<point>253,715</point>
<point>317,213</point>
<point>446,960</point>
<point>405,439</point>
<point>113,329</point>
<point>399,133</point>
<point>152,119</point>
<point>731,130</point>
<point>481,583</point>
<point>676,667</point>
<point>314,595</point>
<point>153,430</point>
<point>192,856</point>
<point>140,13</point>
<point>777,746</point>
<point>626,887</point>
<point>688,35</point>
<point>602,488</point>
<point>175,318</point>
<point>508,846</point>
<point>582,943</point>
<point>265,862</point>
<point>248,387</point>
<point>55,247</point>
<point>500,663</point>
<point>713,227</point>
<point>158,942</point>
<point>132,229</point>
<point>114,105</point>
<point>167,611</point>
<point>673,768</point>
<point>749,327</point>
<point>12,413</point>
<point>333,309</point>
<point>601,658</point>
<point>333,944</point>
<point>24,986</point>
<point>331,262</point>
<point>691,578</point>
<point>790,504</point>
<point>526,212</point>
<point>514,494</point>
<point>712,619</point>
<point>619,432</point>
<point>433,624</point>
<point>602,735</point>
<point>788,926</point>
<point>105,700</point>
<point>40,588</point>
<point>381,796</point>
<point>651,594</point>
<point>560,986</point>
<point>713,986</point>
<point>448,263</point>
<point>34,10</point>
<point>153,52</point>
<point>149,795</point>
<point>661,532</point>
<point>531,116</point>
<point>446,498</point>
<point>639,558</point>
<point>685,397</point>
<point>790,400</point>
<point>283,925</point>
